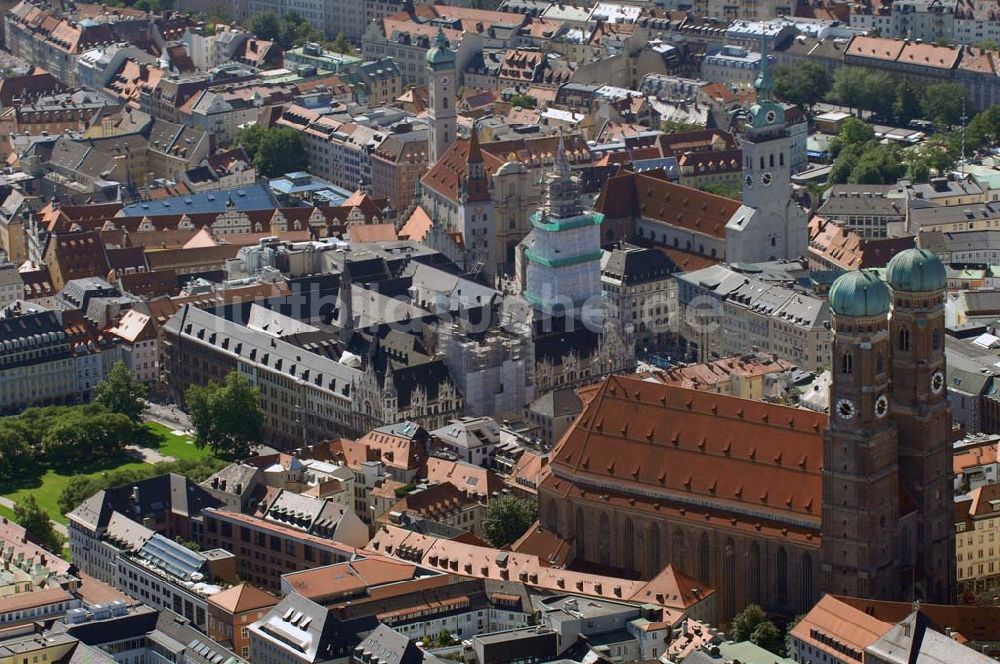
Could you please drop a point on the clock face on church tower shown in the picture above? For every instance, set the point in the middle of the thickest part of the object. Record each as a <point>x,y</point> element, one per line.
<point>845,409</point>
<point>771,117</point>
<point>766,179</point>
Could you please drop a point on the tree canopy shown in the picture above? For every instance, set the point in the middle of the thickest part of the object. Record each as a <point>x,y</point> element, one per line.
<point>226,416</point>
<point>120,393</point>
<point>62,436</point>
<point>752,624</point>
<point>804,84</point>
<point>522,100</point>
<point>275,151</point>
<point>33,518</point>
<point>861,159</point>
<point>82,487</point>
<point>290,30</point>
<point>945,103</point>
<point>507,518</point>
<point>341,45</point>
<point>907,106</point>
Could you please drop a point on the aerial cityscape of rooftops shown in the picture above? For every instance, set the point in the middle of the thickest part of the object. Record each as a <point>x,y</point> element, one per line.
<point>500,332</point>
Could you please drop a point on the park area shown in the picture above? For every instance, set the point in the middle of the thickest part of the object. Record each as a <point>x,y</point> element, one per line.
<point>46,481</point>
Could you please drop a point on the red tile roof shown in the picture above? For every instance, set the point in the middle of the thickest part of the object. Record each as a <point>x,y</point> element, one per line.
<point>832,242</point>
<point>733,454</point>
<point>645,195</point>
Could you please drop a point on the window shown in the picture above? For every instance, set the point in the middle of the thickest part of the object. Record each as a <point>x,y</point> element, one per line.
<point>756,574</point>
<point>847,364</point>
<point>629,544</point>
<point>904,339</point>
<point>604,543</point>
<point>677,549</point>
<point>781,580</point>
<point>578,531</point>
<point>655,560</point>
<point>729,577</point>
<point>807,581</point>
<point>703,559</point>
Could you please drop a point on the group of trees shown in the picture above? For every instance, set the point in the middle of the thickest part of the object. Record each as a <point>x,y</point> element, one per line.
<point>752,624</point>
<point>898,100</point>
<point>69,436</point>
<point>893,100</point>
<point>226,417</point>
<point>153,6</point>
<point>273,151</point>
<point>859,158</point>
<point>805,84</point>
<point>82,487</point>
<point>289,31</point>
<point>62,436</point>
<point>29,514</point>
<point>507,518</point>
<point>522,100</point>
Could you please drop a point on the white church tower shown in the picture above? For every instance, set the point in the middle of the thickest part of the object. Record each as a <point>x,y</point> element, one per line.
<point>769,225</point>
<point>441,88</point>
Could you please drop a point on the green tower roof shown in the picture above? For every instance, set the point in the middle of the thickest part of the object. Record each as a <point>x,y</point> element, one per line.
<point>916,271</point>
<point>859,294</point>
<point>440,56</point>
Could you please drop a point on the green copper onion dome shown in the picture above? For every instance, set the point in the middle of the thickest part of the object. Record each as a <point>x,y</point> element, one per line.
<point>916,271</point>
<point>859,294</point>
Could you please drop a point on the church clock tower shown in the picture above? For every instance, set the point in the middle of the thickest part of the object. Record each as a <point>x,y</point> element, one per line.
<point>860,473</point>
<point>923,419</point>
<point>770,225</point>
<point>441,88</point>
<point>766,145</point>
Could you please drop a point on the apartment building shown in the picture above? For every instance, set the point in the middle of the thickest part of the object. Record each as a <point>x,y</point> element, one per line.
<point>219,112</point>
<point>397,164</point>
<point>731,313</point>
<point>165,574</point>
<point>232,611</point>
<point>638,284</point>
<point>36,362</point>
<point>267,549</point>
<point>169,505</point>
<point>140,345</point>
<point>977,542</point>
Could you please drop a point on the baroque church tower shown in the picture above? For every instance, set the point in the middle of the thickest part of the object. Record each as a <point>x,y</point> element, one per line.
<point>769,225</point>
<point>441,88</point>
<point>860,467</point>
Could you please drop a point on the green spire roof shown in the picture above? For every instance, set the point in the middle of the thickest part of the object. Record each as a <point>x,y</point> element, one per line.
<point>764,85</point>
<point>440,56</point>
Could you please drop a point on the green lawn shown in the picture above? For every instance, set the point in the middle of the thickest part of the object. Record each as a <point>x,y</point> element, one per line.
<point>6,513</point>
<point>164,441</point>
<point>47,486</point>
<point>47,483</point>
